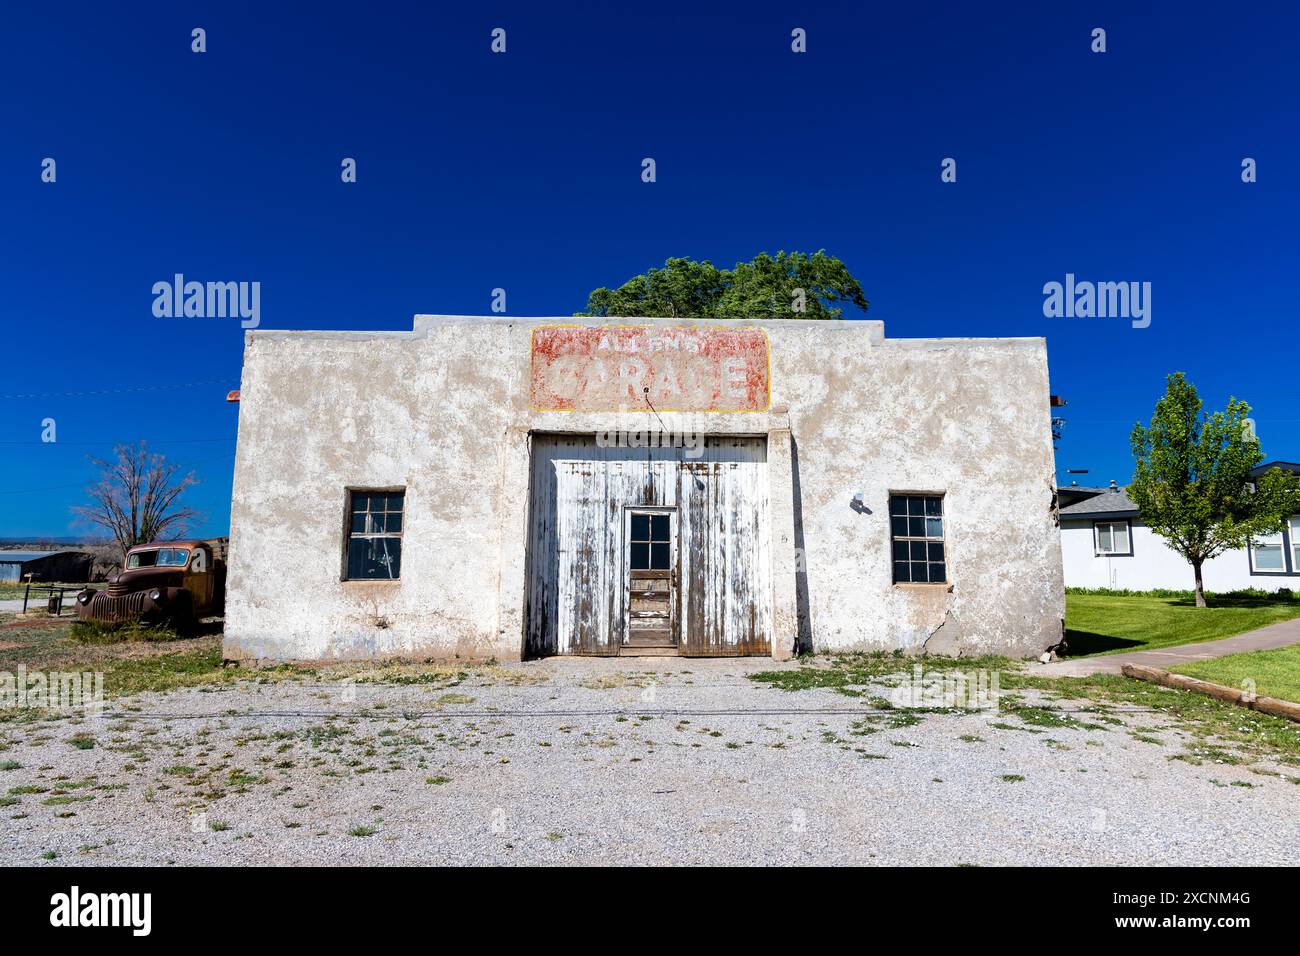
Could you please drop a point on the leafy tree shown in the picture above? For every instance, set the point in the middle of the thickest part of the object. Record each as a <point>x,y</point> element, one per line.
<point>791,285</point>
<point>1192,484</point>
<point>136,497</point>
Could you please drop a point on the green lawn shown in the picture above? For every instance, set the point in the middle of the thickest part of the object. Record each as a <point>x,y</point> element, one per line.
<point>1101,624</point>
<point>1276,673</point>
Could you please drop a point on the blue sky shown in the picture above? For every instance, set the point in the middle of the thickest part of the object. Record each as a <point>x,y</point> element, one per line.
<point>522,171</point>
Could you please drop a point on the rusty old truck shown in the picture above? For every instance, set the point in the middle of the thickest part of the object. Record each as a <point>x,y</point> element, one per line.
<point>164,582</point>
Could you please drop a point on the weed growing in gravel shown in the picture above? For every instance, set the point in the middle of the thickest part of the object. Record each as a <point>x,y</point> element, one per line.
<point>843,672</point>
<point>1050,717</point>
<point>618,679</point>
<point>1197,755</point>
<point>67,798</point>
<point>1003,725</point>
<point>361,831</point>
<point>317,736</point>
<point>1252,734</point>
<point>1145,738</point>
<point>1012,778</point>
<point>439,676</point>
<point>1215,724</point>
<point>861,728</point>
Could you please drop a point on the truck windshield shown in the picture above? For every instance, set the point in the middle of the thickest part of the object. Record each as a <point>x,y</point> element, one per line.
<point>162,558</point>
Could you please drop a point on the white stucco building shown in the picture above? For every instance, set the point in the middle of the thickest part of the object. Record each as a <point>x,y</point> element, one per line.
<point>493,487</point>
<point>1104,544</point>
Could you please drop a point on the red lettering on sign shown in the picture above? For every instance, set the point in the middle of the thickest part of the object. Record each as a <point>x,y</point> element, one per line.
<point>686,369</point>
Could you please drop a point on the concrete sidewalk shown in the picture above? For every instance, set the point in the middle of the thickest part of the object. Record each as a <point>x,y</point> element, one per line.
<point>1166,658</point>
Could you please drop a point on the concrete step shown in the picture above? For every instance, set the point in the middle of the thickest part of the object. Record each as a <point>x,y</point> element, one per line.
<point>649,650</point>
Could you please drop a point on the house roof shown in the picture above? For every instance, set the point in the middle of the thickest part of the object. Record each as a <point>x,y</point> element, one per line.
<point>1069,494</point>
<point>1105,502</point>
<point>20,557</point>
<point>1108,503</point>
<point>1290,466</point>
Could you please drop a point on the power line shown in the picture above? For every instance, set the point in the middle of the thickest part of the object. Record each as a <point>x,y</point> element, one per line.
<point>107,441</point>
<point>117,391</point>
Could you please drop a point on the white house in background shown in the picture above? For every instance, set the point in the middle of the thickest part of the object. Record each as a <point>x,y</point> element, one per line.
<point>1104,544</point>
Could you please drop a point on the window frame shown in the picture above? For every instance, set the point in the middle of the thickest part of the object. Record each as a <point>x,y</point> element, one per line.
<point>650,541</point>
<point>156,552</point>
<point>1112,523</point>
<point>1288,567</point>
<point>674,545</point>
<point>942,540</point>
<point>348,494</point>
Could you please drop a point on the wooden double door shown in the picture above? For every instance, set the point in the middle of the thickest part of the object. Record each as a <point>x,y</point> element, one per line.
<point>648,550</point>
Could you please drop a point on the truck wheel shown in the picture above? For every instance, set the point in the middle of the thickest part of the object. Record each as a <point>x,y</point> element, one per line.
<point>181,614</point>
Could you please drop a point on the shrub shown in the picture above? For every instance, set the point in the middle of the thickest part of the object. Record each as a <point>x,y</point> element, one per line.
<point>1284,595</point>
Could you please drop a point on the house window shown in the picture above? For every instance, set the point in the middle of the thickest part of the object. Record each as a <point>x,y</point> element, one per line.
<point>1295,545</point>
<point>916,525</point>
<point>374,535</point>
<point>1113,538</point>
<point>1266,553</point>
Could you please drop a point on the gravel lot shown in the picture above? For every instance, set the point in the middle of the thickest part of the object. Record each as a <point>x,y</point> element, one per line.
<point>589,761</point>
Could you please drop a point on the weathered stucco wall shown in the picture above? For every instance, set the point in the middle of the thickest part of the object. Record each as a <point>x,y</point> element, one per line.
<point>445,412</point>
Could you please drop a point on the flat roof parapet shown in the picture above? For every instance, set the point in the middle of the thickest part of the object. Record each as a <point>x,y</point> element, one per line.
<point>873,328</point>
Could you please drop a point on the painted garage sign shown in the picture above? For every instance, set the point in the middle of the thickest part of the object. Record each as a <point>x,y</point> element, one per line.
<point>686,369</point>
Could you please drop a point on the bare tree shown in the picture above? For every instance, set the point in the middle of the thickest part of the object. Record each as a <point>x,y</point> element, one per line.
<point>104,560</point>
<point>136,498</point>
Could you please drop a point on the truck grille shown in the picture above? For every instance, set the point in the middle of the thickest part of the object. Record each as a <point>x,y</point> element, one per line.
<point>113,609</point>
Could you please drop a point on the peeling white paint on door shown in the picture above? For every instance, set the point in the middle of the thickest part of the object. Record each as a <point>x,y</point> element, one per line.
<point>578,584</point>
